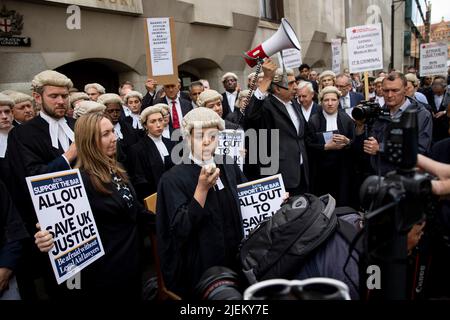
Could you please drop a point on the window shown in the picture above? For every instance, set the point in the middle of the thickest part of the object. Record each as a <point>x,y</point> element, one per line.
<point>272,10</point>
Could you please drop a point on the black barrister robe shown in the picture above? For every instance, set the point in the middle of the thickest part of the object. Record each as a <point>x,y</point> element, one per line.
<point>117,274</point>
<point>130,137</point>
<point>12,231</point>
<point>331,169</point>
<point>147,166</point>
<point>192,239</point>
<point>30,152</point>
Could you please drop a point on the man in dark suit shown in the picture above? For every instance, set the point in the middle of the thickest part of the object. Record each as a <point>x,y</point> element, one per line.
<point>305,96</point>
<point>231,94</point>
<point>278,112</point>
<point>439,102</point>
<point>42,145</point>
<point>23,110</point>
<point>178,107</point>
<point>349,99</point>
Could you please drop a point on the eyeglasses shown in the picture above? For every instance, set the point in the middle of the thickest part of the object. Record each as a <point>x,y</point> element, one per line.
<point>308,289</point>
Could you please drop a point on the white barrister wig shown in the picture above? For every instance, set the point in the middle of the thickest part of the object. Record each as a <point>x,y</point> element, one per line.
<point>50,78</point>
<point>18,97</point>
<point>229,75</point>
<point>157,108</point>
<point>200,118</point>
<point>208,95</point>
<point>100,89</point>
<point>87,107</point>
<point>6,100</point>
<point>133,94</point>
<point>109,98</point>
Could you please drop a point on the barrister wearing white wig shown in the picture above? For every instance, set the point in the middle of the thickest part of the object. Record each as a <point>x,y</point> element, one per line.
<point>133,100</point>
<point>6,119</point>
<point>87,107</point>
<point>94,90</point>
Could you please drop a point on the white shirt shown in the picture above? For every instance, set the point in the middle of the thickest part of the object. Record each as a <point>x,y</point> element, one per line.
<point>380,100</point>
<point>118,131</point>
<point>126,111</point>
<point>166,132</point>
<point>3,142</point>
<point>438,101</point>
<point>231,97</point>
<point>294,118</point>
<point>331,121</point>
<point>307,112</point>
<point>136,121</point>
<point>58,131</point>
<point>160,145</point>
<point>178,107</point>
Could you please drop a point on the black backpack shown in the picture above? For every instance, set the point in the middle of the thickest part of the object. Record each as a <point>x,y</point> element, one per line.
<point>279,246</point>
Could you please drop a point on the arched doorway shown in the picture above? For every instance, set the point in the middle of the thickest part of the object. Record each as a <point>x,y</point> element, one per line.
<point>200,68</point>
<point>103,71</point>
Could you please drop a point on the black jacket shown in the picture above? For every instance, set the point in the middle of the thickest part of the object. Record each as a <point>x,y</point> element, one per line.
<point>271,114</point>
<point>146,165</point>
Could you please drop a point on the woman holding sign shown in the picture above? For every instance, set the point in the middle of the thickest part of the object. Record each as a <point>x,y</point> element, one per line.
<point>116,210</point>
<point>199,222</point>
<point>332,133</point>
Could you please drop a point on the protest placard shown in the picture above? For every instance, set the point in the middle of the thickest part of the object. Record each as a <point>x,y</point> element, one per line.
<point>336,55</point>
<point>292,58</point>
<point>259,200</point>
<point>231,143</point>
<point>63,209</point>
<point>433,59</point>
<point>161,53</point>
<point>365,48</point>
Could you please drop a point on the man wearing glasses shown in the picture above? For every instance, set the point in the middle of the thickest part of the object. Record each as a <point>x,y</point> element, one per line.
<point>394,90</point>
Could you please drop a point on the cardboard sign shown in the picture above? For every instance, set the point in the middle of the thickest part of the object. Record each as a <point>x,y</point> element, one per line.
<point>336,55</point>
<point>259,200</point>
<point>365,48</point>
<point>63,209</point>
<point>161,53</point>
<point>433,59</point>
<point>292,58</point>
<point>232,143</point>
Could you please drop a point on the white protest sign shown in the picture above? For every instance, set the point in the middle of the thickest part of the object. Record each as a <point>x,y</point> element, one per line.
<point>365,48</point>
<point>63,209</point>
<point>292,58</point>
<point>259,200</point>
<point>231,143</point>
<point>161,50</point>
<point>336,55</point>
<point>433,59</point>
<point>160,46</point>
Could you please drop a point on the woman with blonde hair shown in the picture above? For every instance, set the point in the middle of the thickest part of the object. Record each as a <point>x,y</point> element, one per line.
<point>116,210</point>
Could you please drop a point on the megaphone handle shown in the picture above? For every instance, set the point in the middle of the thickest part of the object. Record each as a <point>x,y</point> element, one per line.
<point>252,86</point>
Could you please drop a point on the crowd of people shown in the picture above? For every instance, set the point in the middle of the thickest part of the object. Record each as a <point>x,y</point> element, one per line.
<point>125,145</point>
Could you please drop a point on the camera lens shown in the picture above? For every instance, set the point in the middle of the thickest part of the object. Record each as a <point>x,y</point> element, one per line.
<point>358,113</point>
<point>219,283</point>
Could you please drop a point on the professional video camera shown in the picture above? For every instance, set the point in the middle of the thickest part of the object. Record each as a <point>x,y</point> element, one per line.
<point>394,203</point>
<point>368,110</point>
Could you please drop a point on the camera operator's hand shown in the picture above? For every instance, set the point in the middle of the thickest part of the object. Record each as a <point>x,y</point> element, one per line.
<point>371,146</point>
<point>440,187</point>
